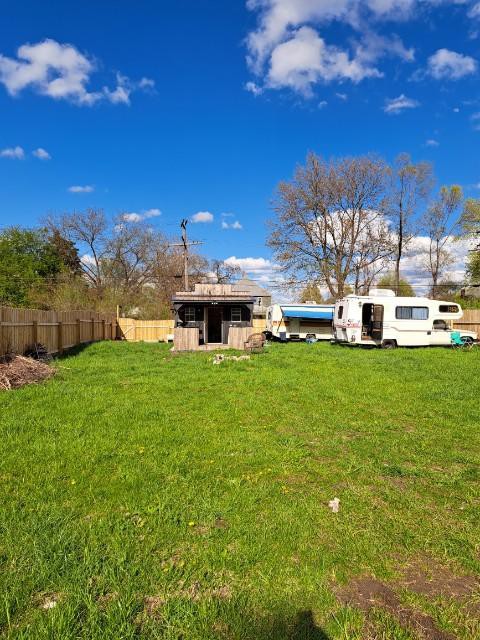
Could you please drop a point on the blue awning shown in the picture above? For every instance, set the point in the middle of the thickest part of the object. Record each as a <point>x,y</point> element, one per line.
<point>311,314</point>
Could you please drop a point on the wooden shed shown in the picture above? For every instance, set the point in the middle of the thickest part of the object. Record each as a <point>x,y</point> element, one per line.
<point>212,316</point>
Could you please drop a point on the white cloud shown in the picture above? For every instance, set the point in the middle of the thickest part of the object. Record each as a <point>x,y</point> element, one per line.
<point>152,213</point>
<point>88,259</point>
<point>138,217</point>
<point>474,11</point>
<point>432,143</point>
<point>41,154</point>
<point>449,65</point>
<point>287,50</point>
<point>306,59</point>
<point>131,217</point>
<point>252,265</point>
<point>87,188</point>
<point>202,216</point>
<point>146,83</point>
<point>16,153</point>
<point>322,104</point>
<point>253,87</point>
<point>62,72</point>
<point>234,225</point>
<point>475,118</point>
<point>397,105</point>
<point>342,96</point>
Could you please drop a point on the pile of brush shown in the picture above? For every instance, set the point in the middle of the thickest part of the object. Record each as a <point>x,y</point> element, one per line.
<point>17,371</point>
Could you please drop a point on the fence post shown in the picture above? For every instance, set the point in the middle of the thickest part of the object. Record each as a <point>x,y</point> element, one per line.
<point>78,338</point>
<point>134,330</point>
<point>104,328</point>
<point>92,333</point>
<point>34,332</point>
<point>60,336</point>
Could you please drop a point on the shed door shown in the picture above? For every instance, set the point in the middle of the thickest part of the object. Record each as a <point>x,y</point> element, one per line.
<point>214,329</point>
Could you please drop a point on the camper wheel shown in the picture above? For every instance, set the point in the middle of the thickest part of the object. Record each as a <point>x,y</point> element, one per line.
<point>389,344</point>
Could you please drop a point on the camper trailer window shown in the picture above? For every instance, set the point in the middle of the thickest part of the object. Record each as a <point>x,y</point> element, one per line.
<point>440,325</point>
<point>340,312</point>
<point>189,314</point>
<point>411,313</point>
<point>448,308</point>
<point>236,314</point>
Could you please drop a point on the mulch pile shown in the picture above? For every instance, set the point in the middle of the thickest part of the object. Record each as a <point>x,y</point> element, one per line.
<point>17,371</point>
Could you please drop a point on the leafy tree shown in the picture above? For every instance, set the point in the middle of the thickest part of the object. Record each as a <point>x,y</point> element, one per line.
<point>401,288</point>
<point>28,259</point>
<point>311,293</point>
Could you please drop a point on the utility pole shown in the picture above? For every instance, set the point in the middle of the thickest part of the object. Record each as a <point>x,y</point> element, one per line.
<point>185,244</point>
<point>183,226</point>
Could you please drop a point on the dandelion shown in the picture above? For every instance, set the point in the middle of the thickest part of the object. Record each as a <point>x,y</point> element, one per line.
<point>192,523</point>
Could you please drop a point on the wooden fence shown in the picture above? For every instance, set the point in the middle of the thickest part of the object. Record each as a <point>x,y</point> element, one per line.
<point>470,321</point>
<point>56,330</point>
<point>158,330</point>
<point>145,330</point>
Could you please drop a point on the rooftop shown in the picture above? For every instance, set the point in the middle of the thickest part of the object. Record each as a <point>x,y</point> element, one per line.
<point>209,292</point>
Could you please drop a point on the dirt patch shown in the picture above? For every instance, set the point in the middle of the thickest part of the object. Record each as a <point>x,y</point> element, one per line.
<point>18,371</point>
<point>152,607</point>
<point>196,592</point>
<point>48,600</point>
<point>368,593</point>
<point>427,577</point>
<point>220,523</point>
<point>104,600</point>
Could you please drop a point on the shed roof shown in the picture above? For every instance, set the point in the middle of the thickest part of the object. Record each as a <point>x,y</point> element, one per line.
<point>254,289</point>
<point>213,293</point>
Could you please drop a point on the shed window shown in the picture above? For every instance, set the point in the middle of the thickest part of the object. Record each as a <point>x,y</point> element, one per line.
<point>340,312</point>
<point>411,313</point>
<point>189,314</point>
<point>448,308</point>
<point>236,314</point>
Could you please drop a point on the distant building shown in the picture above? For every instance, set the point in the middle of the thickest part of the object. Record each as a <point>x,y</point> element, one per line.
<point>262,297</point>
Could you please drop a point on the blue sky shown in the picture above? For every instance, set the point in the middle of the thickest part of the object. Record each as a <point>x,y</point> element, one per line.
<point>203,106</point>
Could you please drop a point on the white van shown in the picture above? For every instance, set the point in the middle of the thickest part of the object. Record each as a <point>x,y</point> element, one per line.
<point>383,319</point>
<point>300,321</point>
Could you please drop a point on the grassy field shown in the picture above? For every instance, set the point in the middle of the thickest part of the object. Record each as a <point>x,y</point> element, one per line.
<point>151,496</point>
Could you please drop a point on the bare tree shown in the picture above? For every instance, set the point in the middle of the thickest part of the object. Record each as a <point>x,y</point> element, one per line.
<point>125,262</point>
<point>89,229</point>
<point>410,185</point>
<point>439,223</point>
<point>325,218</point>
<point>223,273</point>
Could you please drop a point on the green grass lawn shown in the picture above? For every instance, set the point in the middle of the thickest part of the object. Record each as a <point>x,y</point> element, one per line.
<point>151,496</point>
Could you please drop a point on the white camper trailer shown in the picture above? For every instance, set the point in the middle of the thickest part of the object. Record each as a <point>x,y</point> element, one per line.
<point>300,321</point>
<point>383,319</point>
